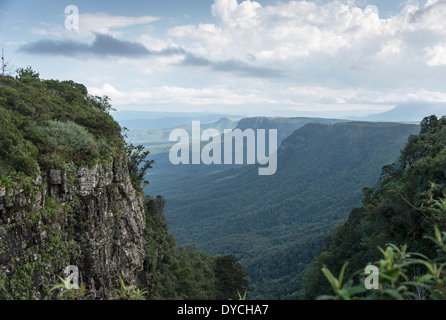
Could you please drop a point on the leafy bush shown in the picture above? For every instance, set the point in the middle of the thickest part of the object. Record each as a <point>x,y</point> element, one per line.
<point>396,282</point>
<point>137,164</point>
<point>67,141</point>
<point>50,122</point>
<point>65,291</point>
<point>129,293</point>
<point>15,152</point>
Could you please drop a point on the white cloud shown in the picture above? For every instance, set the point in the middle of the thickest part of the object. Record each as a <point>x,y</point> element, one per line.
<point>330,52</point>
<point>352,95</point>
<point>13,43</point>
<point>437,55</point>
<point>107,90</point>
<point>155,44</point>
<point>285,31</point>
<point>106,24</point>
<point>335,44</point>
<point>244,16</point>
<point>311,98</point>
<point>179,95</point>
<point>298,29</point>
<point>91,23</point>
<point>391,50</point>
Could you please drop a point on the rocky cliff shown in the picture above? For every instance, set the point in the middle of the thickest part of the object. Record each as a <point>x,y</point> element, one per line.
<point>88,217</point>
<point>71,200</point>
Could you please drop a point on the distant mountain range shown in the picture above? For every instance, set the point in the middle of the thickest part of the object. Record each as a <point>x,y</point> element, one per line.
<point>414,112</point>
<point>157,139</point>
<point>285,126</point>
<point>409,112</point>
<point>162,120</point>
<point>165,173</point>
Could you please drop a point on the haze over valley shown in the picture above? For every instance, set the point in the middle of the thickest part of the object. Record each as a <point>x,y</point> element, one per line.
<point>222,150</point>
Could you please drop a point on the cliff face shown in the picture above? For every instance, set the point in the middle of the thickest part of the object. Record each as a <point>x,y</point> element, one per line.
<point>68,199</point>
<point>90,218</point>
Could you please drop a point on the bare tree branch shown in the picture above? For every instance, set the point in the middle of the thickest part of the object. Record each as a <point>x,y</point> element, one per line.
<point>6,67</point>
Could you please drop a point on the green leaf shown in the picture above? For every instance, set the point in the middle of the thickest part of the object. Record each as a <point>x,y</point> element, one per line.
<point>326,297</point>
<point>438,235</point>
<point>393,273</point>
<point>393,294</point>
<point>344,294</point>
<point>425,278</point>
<point>341,274</point>
<point>330,277</point>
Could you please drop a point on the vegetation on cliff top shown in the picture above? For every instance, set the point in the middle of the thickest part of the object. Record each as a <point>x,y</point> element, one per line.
<point>408,210</point>
<point>47,124</point>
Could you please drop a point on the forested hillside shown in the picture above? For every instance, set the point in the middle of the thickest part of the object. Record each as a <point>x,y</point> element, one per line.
<point>404,211</point>
<point>166,174</point>
<point>276,224</point>
<point>71,195</point>
<point>161,120</point>
<point>284,126</point>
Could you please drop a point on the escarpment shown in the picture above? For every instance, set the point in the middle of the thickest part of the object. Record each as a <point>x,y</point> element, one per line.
<point>66,196</point>
<point>72,206</point>
<point>88,217</point>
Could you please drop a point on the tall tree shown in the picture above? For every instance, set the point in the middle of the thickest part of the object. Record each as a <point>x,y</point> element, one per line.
<point>230,278</point>
<point>137,163</point>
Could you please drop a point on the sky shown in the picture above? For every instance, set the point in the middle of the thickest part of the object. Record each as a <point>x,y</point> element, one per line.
<point>256,58</point>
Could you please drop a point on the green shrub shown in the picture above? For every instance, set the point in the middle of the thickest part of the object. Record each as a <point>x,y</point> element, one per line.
<point>68,141</point>
<point>51,122</point>
<point>397,281</point>
<point>15,152</point>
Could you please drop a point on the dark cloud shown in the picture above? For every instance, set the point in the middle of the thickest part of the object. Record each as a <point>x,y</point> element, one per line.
<point>108,46</point>
<point>233,66</point>
<point>192,60</point>
<point>50,47</point>
<point>103,45</point>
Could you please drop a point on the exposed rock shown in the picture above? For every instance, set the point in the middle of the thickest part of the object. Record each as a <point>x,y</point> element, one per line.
<point>55,177</point>
<point>87,217</point>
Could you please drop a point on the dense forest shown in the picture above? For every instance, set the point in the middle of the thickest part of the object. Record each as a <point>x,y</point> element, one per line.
<point>48,125</point>
<point>400,228</point>
<point>167,174</point>
<point>185,272</point>
<point>275,225</point>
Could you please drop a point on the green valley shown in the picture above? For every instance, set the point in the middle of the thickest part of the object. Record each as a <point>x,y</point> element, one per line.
<point>275,225</point>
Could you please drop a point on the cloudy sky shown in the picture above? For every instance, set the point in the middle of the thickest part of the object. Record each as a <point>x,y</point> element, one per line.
<point>262,57</point>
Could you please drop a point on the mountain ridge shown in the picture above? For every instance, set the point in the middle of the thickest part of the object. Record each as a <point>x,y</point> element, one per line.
<point>258,220</point>
<point>409,112</point>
